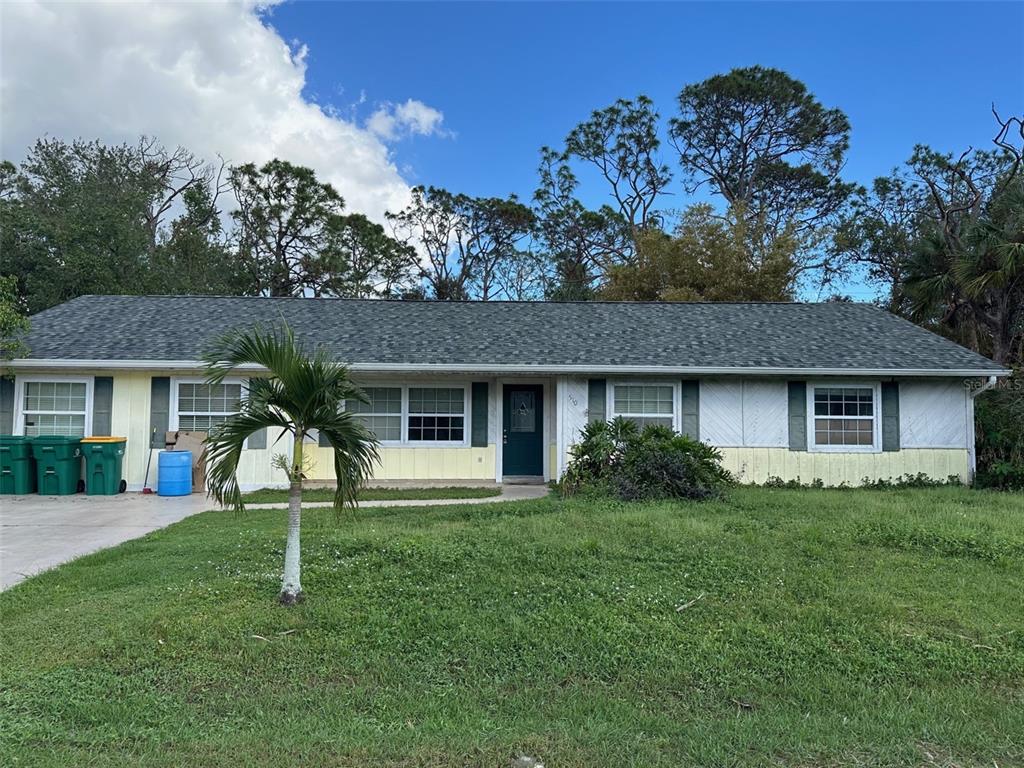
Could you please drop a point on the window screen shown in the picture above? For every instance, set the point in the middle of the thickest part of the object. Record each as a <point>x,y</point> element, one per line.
<point>383,414</point>
<point>437,414</point>
<point>202,406</point>
<point>844,416</point>
<point>645,404</point>
<point>54,408</point>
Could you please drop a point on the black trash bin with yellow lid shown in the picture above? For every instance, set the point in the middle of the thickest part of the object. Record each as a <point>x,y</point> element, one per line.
<point>58,464</point>
<point>104,457</point>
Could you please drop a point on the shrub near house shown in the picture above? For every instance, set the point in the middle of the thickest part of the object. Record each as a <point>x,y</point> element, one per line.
<point>621,459</point>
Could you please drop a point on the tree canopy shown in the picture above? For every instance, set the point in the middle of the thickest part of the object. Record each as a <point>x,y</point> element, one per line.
<point>466,242</point>
<point>763,213</point>
<point>622,142</point>
<point>708,258</point>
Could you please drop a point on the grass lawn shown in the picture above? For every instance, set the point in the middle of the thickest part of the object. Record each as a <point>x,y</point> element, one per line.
<point>824,628</point>
<point>275,495</point>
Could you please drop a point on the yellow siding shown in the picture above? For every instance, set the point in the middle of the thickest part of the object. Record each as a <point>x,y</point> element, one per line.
<point>417,464</point>
<point>130,418</point>
<point>755,465</point>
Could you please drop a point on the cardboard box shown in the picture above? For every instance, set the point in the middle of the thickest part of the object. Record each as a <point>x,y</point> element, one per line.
<point>195,442</point>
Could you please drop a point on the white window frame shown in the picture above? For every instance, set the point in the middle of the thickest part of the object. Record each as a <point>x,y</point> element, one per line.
<point>676,400</point>
<point>173,420</point>
<point>401,412</point>
<point>19,399</point>
<point>876,418</point>
<point>405,442</point>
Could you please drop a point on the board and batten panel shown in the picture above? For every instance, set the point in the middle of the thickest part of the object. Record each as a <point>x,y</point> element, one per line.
<point>416,463</point>
<point>933,414</point>
<point>756,465</point>
<point>129,418</point>
<point>744,413</point>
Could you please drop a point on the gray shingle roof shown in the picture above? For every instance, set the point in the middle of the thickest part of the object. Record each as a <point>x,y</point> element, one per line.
<point>601,335</point>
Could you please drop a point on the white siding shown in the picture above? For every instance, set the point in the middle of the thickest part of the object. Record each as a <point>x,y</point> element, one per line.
<point>751,413</point>
<point>721,412</point>
<point>765,414</point>
<point>493,404</point>
<point>933,414</point>
<point>571,415</point>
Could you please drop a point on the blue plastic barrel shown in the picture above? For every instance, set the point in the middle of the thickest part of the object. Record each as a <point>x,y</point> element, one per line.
<point>174,473</point>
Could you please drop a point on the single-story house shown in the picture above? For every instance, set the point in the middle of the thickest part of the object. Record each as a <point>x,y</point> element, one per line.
<point>488,391</point>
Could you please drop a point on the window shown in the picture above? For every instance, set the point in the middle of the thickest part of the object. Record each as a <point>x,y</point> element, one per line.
<point>645,403</point>
<point>202,406</point>
<point>437,414</point>
<point>383,414</point>
<point>844,416</point>
<point>55,408</point>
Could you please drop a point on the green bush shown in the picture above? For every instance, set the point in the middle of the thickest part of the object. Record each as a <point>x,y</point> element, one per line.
<point>619,459</point>
<point>920,480</point>
<point>999,419</point>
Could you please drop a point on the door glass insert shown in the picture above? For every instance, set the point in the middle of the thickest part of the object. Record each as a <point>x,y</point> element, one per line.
<point>524,412</point>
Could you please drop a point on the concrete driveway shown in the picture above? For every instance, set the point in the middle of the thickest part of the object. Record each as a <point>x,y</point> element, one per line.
<point>39,532</point>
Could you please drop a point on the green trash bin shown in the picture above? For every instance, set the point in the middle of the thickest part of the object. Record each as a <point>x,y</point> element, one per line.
<point>58,464</point>
<point>17,466</point>
<point>103,459</point>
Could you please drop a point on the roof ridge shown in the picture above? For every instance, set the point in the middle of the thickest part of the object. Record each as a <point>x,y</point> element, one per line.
<point>474,302</point>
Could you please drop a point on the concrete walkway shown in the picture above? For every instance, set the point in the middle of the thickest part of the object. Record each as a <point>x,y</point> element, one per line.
<point>40,532</point>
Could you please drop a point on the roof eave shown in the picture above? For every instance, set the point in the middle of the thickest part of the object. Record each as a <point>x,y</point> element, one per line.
<point>191,365</point>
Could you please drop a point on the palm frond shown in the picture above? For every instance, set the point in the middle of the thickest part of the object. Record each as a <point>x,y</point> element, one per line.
<point>272,348</point>
<point>355,454</point>
<point>224,450</point>
<point>304,391</point>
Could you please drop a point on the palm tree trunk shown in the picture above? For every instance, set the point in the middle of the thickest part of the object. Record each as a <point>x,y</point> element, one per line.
<point>291,585</point>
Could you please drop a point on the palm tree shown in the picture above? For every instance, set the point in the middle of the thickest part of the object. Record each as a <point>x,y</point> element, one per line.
<point>973,284</point>
<point>303,392</point>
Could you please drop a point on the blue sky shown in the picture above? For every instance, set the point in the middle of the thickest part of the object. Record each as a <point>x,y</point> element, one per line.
<point>511,77</point>
<point>367,86</point>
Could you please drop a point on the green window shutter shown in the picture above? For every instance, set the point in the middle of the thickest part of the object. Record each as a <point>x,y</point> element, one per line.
<point>690,411</point>
<point>102,405</point>
<point>159,410</point>
<point>6,405</point>
<point>890,416</point>
<point>597,402</point>
<point>257,440</point>
<point>798,415</point>
<point>479,436</point>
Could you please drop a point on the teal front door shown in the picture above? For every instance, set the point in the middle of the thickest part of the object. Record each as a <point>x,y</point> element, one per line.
<point>523,430</point>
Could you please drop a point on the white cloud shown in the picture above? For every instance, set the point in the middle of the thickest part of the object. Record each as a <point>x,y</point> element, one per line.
<point>212,77</point>
<point>392,121</point>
